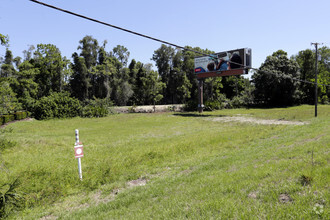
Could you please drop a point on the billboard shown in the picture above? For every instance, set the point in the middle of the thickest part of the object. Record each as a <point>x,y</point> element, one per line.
<point>233,62</point>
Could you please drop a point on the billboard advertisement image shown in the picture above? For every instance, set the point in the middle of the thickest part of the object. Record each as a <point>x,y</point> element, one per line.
<point>233,62</point>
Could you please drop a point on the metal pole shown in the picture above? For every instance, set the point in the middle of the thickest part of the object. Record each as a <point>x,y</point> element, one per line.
<point>316,58</point>
<point>79,159</point>
<point>200,96</point>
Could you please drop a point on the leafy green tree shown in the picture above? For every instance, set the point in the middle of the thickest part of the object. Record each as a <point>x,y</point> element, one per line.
<point>8,100</point>
<point>28,53</point>
<point>274,82</point>
<point>52,68</point>
<point>89,50</point>
<point>7,68</point>
<point>79,82</point>
<point>306,61</point>
<point>171,67</point>
<point>152,86</point>
<point>163,58</point>
<point>4,40</point>
<point>121,53</point>
<point>324,76</point>
<point>25,86</point>
<point>213,98</point>
<point>232,86</point>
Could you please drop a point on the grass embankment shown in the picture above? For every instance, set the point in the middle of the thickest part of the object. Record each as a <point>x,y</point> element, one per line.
<point>194,166</point>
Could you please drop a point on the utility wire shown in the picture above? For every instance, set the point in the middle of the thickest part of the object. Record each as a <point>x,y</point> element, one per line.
<point>159,40</point>
<point>116,27</point>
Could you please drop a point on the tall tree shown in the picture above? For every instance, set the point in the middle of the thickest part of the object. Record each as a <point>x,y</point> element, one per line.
<point>7,68</point>
<point>52,66</point>
<point>8,100</point>
<point>306,61</point>
<point>121,53</point>
<point>163,58</point>
<point>89,50</point>
<point>274,82</point>
<point>324,75</point>
<point>79,82</point>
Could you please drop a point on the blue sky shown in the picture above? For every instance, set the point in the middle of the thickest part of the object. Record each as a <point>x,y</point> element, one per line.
<point>264,26</point>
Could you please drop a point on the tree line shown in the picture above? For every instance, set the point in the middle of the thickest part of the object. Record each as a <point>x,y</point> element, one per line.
<point>94,78</point>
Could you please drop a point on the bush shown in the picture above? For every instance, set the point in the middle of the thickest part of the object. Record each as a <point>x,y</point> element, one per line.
<point>211,105</point>
<point>7,118</point>
<point>57,105</point>
<point>96,108</point>
<point>20,115</point>
<point>236,102</point>
<point>191,105</point>
<point>10,200</point>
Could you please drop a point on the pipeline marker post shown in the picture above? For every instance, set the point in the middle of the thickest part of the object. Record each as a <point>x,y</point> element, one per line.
<point>78,151</point>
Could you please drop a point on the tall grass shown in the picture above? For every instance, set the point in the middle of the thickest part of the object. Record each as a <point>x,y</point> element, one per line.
<point>195,167</point>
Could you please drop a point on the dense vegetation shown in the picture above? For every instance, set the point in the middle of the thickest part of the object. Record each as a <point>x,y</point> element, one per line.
<point>43,74</point>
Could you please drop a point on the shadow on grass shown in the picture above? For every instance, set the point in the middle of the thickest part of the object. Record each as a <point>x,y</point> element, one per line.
<point>197,115</point>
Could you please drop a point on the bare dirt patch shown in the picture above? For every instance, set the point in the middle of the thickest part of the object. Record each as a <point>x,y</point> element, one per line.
<point>253,195</point>
<point>285,198</point>
<point>138,182</point>
<point>251,120</point>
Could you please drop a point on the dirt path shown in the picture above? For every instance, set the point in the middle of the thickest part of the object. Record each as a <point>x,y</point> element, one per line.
<point>244,119</point>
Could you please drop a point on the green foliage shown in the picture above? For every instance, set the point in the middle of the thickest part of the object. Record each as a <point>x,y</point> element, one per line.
<point>10,200</point>
<point>274,84</point>
<point>4,39</point>
<point>217,104</point>
<point>20,115</point>
<point>57,105</point>
<point>52,68</point>
<point>191,105</point>
<point>11,117</point>
<point>79,82</point>
<point>96,108</point>
<point>7,118</point>
<point>7,68</point>
<point>8,100</point>
<point>236,102</point>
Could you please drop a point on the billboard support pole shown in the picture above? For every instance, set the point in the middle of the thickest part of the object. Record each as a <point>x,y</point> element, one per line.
<point>315,93</point>
<point>200,96</point>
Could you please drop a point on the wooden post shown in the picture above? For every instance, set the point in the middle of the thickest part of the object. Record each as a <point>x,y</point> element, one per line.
<point>200,96</point>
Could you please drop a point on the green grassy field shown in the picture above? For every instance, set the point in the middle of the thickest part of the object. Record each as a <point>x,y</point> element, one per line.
<point>174,166</point>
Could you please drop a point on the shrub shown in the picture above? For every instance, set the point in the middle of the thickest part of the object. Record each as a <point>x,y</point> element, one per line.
<point>7,118</point>
<point>211,105</point>
<point>57,105</point>
<point>20,115</point>
<point>9,199</point>
<point>236,102</point>
<point>96,108</point>
<point>191,105</point>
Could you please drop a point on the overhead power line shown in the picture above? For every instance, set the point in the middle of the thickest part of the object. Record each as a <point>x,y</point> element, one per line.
<point>116,27</point>
<point>156,39</point>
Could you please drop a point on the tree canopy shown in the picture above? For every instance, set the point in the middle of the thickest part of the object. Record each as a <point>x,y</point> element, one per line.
<point>95,73</point>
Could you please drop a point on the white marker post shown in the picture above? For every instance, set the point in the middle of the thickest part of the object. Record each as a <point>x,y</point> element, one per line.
<point>78,150</point>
